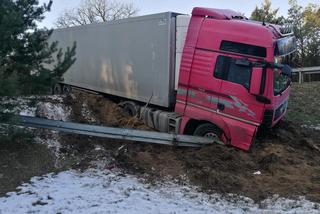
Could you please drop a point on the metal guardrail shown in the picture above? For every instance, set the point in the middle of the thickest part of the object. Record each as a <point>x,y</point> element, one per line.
<point>306,70</point>
<point>109,132</point>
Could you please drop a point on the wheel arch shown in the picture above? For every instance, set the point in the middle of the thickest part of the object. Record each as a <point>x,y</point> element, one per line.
<point>190,125</point>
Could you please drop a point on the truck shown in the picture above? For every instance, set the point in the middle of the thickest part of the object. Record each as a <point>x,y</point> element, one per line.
<point>215,73</point>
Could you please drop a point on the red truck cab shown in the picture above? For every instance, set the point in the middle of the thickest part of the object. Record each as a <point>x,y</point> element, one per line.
<point>231,78</point>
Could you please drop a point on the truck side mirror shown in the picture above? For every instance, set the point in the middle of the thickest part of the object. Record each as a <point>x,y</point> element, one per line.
<point>255,82</point>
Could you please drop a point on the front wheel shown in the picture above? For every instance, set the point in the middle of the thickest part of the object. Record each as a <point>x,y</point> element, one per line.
<point>208,130</point>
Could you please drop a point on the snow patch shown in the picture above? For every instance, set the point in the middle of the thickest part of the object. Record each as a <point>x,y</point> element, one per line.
<point>17,105</point>
<point>54,145</point>
<point>315,127</point>
<point>86,113</point>
<point>97,191</point>
<point>30,111</point>
<point>51,107</point>
<point>290,206</point>
<point>53,111</point>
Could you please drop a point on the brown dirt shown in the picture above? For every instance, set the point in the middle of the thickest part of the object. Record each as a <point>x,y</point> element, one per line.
<point>103,110</point>
<point>288,166</point>
<point>20,160</point>
<point>286,156</point>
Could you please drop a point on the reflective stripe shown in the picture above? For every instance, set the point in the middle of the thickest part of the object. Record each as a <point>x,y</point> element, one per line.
<point>220,113</point>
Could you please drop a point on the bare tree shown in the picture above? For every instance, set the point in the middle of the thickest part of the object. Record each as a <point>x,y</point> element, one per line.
<point>95,11</point>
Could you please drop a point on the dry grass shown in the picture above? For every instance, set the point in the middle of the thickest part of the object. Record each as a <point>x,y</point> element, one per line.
<point>304,104</point>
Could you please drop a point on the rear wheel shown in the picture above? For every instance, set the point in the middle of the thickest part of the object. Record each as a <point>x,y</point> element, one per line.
<point>208,130</point>
<point>131,108</point>
<point>57,89</point>
<point>66,89</point>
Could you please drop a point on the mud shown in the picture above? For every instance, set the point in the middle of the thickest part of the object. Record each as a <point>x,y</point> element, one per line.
<point>287,164</point>
<point>20,160</point>
<point>100,110</point>
<point>286,157</point>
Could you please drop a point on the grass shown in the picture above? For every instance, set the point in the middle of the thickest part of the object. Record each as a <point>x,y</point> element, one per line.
<point>304,104</point>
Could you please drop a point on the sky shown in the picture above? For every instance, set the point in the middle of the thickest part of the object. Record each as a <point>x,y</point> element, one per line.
<point>182,6</point>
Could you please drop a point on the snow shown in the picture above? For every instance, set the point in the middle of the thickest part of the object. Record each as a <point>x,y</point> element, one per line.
<point>52,141</point>
<point>86,113</point>
<point>17,106</point>
<point>257,173</point>
<point>105,191</point>
<point>27,112</point>
<point>315,127</point>
<point>51,107</point>
<point>53,111</point>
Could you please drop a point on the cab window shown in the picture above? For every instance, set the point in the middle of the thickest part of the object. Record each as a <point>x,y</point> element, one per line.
<point>227,69</point>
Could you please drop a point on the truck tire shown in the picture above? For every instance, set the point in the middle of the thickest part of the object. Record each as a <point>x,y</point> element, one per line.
<point>131,108</point>
<point>66,89</point>
<point>208,130</point>
<point>57,89</point>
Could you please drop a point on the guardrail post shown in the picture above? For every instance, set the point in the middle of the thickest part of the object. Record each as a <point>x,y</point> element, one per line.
<point>300,77</point>
<point>307,70</point>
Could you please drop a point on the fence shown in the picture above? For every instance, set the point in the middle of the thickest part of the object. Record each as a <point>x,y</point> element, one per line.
<point>313,74</point>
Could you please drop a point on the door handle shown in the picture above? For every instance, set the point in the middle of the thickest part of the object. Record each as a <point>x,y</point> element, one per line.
<point>221,106</point>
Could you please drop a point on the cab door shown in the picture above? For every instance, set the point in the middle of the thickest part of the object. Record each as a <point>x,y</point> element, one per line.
<point>235,101</point>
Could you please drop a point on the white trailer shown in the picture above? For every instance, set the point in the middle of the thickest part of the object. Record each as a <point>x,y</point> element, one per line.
<point>136,58</point>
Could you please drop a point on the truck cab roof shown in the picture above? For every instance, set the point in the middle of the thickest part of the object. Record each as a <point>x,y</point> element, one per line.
<point>276,31</point>
<point>216,13</point>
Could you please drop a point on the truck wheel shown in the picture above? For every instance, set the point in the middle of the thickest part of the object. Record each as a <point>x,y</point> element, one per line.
<point>57,89</point>
<point>208,130</point>
<point>66,89</point>
<point>130,107</point>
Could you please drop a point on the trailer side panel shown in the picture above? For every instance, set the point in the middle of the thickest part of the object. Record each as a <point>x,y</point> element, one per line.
<point>131,58</point>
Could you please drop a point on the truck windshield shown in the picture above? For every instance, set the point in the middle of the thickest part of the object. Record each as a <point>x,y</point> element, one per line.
<point>281,81</point>
<point>283,51</point>
<point>285,46</point>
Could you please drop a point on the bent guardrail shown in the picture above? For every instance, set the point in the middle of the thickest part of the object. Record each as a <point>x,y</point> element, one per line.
<point>108,132</point>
